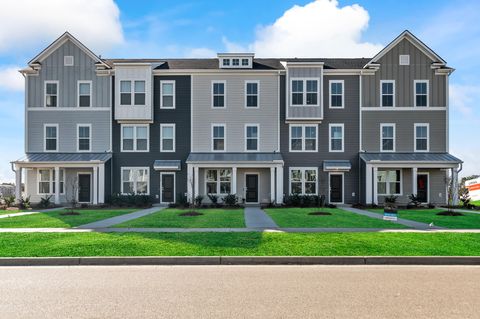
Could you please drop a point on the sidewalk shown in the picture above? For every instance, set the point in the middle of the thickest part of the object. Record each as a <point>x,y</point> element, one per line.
<point>255,217</point>
<point>120,219</point>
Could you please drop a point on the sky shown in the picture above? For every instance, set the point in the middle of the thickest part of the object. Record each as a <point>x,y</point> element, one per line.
<point>201,28</point>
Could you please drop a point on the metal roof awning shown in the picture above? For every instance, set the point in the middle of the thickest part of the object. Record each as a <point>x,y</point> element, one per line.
<point>167,165</point>
<point>410,158</point>
<point>249,158</point>
<point>336,165</point>
<point>80,158</point>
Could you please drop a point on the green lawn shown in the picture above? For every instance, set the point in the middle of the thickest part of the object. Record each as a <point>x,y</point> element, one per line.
<point>239,244</point>
<point>13,211</point>
<point>475,202</point>
<point>55,219</point>
<point>468,221</point>
<point>211,218</point>
<point>299,217</point>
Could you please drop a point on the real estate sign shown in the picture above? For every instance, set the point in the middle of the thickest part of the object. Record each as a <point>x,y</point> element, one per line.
<point>473,186</point>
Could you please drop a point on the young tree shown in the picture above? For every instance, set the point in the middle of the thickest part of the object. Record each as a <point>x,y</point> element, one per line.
<point>72,193</point>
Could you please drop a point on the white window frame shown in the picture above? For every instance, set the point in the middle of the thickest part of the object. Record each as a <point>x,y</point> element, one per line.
<point>172,125</point>
<point>45,136</point>
<point>304,93</point>
<point>258,94</point>
<point>135,138</point>
<point>330,137</point>
<point>120,93</point>
<point>427,82</point>
<point>135,92</point>
<point>415,137</point>
<point>89,137</point>
<point>382,125</point>
<point>224,94</point>
<point>135,168</point>
<point>66,61</point>
<point>303,138</point>
<point>161,94</point>
<point>224,136</point>
<point>226,62</point>
<point>89,94</point>
<point>393,93</point>
<point>302,169</point>
<point>45,92</point>
<point>218,181</point>
<point>50,181</point>
<point>247,138</point>
<point>387,187</point>
<point>342,82</point>
<point>404,62</point>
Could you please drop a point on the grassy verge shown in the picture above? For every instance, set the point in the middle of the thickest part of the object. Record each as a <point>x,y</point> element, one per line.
<point>210,218</point>
<point>467,221</point>
<point>13,211</point>
<point>55,219</point>
<point>475,202</point>
<point>238,244</point>
<point>299,217</point>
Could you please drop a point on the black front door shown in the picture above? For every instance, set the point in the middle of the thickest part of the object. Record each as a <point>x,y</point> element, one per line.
<point>251,181</point>
<point>336,188</point>
<point>84,188</point>
<point>422,188</point>
<point>168,189</point>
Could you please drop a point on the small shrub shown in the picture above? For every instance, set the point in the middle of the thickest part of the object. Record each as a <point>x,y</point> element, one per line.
<point>464,197</point>
<point>431,205</point>
<point>198,200</point>
<point>9,200</point>
<point>332,206</point>
<point>359,206</point>
<point>45,201</point>
<point>293,200</point>
<point>24,203</point>
<point>130,200</point>
<point>414,201</point>
<point>230,200</point>
<point>213,198</point>
<point>182,200</point>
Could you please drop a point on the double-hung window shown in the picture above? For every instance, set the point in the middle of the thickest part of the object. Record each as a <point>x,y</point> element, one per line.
<point>218,94</point>
<point>135,138</point>
<point>226,62</point>
<point>167,137</point>
<point>84,137</point>
<point>303,138</point>
<point>235,62</point>
<point>244,62</point>
<point>51,93</point>
<point>125,93</point>
<point>336,137</point>
<point>303,181</point>
<point>251,137</point>
<point>218,137</point>
<point>135,180</point>
<point>167,93</point>
<point>46,181</point>
<point>84,93</point>
<point>218,181</point>
<point>304,92</point>
<point>336,94</point>
<point>139,90</point>
<point>51,137</point>
<point>389,182</point>
<point>387,93</point>
<point>421,93</point>
<point>251,94</point>
<point>421,137</point>
<point>387,137</point>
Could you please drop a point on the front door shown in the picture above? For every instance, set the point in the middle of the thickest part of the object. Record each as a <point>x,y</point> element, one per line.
<point>422,188</point>
<point>84,188</point>
<point>336,188</point>
<point>251,181</point>
<point>168,188</point>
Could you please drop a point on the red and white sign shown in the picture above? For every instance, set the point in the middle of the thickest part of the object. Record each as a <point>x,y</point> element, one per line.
<point>473,186</point>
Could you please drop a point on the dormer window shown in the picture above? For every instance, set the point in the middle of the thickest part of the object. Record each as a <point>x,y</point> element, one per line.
<point>244,62</point>
<point>226,62</point>
<point>235,62</point>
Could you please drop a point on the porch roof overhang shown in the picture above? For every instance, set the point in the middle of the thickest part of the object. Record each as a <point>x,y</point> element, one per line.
<point>32,159</point>
<point>235,158</point>
<point>411,159</point>
<point>167,165</point>
<point>336,165</point>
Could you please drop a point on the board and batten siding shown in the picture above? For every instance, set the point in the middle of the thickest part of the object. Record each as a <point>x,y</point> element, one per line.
<point>235,115</point>
<point>300,112</point>
<point>68,76</point>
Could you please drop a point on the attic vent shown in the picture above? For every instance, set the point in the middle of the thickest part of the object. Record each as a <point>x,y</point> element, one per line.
<point>404,59</point>
<point>68,60</point>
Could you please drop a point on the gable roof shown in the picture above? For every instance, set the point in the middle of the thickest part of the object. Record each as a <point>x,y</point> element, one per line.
<point>415,41</point>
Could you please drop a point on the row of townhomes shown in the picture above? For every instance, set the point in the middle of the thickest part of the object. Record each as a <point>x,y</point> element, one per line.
<point>354,130</point>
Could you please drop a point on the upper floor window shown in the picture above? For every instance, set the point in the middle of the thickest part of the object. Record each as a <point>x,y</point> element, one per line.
<point>68,60</point>
<point>167,137</point>
<point>84,93</point>
<point>218,94</point>
<point>84,137</point>
<point>235,62</point>
<point>218,181</point>
<point>251,137</point>
<point>126,92</point>
<point>135,180</point>
<point>244,62</point>
<point>303,138</point>
<point>51,137</point>
<point>251,94</point>
<point>226,62</point>
<point>304,92</point>
<point>135,138</point>
<point>51,93</point>
<point>336,138</point>
<point>387,93</point>
<point>167,93</point>
<point>336,94</point>
<point>421,92</point>
<point>421,137</point>
<point>303,181</point>
<point>404,59</point>
<point>387,137</point>
<point>139,92</point>
<point>46,181</point>
<point>389,182</point>
<point>218,137</point>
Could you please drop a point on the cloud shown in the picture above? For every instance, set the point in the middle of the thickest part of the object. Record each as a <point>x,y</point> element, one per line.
<point>200,53</point>
<point>97,22</point>
<point>320,28</point>
<point>11,79</point>
<point>463,98</point>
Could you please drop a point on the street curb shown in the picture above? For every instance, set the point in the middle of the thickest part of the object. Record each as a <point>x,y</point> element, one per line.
<point>239,260</point>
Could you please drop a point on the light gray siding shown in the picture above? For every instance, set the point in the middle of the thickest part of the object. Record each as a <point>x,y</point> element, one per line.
<point>235,115</point>
<point>304,112</point>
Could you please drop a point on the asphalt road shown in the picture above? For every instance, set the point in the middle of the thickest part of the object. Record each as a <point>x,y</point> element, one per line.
<point>240,292</point>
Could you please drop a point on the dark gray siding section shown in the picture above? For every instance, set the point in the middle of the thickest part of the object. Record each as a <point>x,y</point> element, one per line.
<point>181,117</point>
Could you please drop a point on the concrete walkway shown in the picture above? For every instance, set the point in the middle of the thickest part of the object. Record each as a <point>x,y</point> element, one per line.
<point>466,211</point>
<point>37,211</point>
<point>257,218</point>
<point>406,222</point>
<point>120,219</point>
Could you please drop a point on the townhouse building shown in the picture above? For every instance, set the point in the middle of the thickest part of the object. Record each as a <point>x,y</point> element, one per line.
<point>355,130</point>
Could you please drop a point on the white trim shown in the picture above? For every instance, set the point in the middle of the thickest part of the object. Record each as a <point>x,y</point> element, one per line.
<point>45,125</point>
<point>76,109</point>
<point>50,181</point>
<point>304,93</point>
<point>330,137</point>
<point>174,187</point>
<point>161,94</point>
<point>387,183</point>
<point>66,61</point>
<point>135,126</point>
<point>89,137</point>
<point>403,108</point>
<point>224,136</point>
<point>78,187</point>
<point>302,169</point>
<point>134,168</point>
<point>224,94</point>
<point>245,186</point>
<point>428,185</point>
<point>415,125</point>
<point>330,190</point>
<point>381,93</point>
<point>330,82</point>
<point>415,92</point>
<point>89,82</point>
<point>382,125</point>
<point>172,125</point>
<point>246,137</point>
<point>257,82</point>
<point>303,126</point>
<point>45,92</point>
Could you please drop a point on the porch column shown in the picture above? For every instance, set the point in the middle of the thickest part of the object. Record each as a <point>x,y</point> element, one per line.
<point>190,196</point>
<point>375,185</point>
<point>234,180</point>
<point>57,185</point>
<point>279,184</point>
<point>414,180</point>
<point>454,186</point>
<point>95,185</point>
<point>18,183</point>
<point>196,182</point>
<point>272,184</point>
<point>101,183</point>
<point>368,184</point>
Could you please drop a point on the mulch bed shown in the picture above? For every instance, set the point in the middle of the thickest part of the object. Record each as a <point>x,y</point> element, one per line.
<point>69,213</point>
<point>320,213</point>
<point>447,213</point>
<point>190,214</point>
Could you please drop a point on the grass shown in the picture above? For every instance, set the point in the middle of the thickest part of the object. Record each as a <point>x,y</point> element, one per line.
<point>211,218</point>
<point>13,211</point>
<point>475,202</point>
<point>467,221</point>
<point>239,244</point>
<point>299,217</point>
<point>54,219</point>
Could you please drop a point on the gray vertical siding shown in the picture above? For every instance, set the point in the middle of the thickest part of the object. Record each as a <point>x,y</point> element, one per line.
<point>304,111</point>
